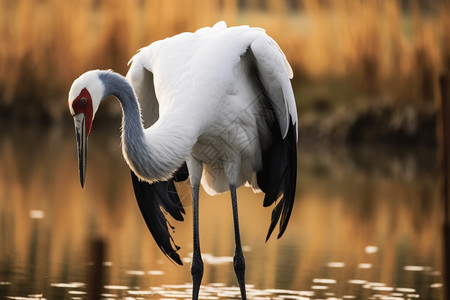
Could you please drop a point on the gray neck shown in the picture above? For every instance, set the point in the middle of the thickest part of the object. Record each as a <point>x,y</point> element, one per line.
<point>147,153</point>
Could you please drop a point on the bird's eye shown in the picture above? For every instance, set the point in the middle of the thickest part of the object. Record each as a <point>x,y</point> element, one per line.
<point>83,101</point>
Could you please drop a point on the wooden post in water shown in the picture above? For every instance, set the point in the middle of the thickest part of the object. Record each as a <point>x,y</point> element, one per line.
<point>95,271</point>
<point>444,143</point>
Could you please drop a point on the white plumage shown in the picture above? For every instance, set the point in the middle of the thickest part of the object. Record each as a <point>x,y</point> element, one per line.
<point>203,78</point>
<point>218,101</point>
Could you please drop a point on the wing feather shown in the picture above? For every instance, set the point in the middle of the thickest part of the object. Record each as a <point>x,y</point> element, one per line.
<point>141,79</point>
<point>275,73</point>
<point>278,176</point>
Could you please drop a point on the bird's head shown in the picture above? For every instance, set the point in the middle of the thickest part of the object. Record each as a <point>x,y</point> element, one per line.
<point>85,96</point>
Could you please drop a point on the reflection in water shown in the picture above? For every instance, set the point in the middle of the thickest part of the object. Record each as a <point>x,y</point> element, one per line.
<point>366,224</point>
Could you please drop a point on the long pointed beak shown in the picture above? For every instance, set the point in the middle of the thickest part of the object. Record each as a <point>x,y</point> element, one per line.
<point>80,131</point>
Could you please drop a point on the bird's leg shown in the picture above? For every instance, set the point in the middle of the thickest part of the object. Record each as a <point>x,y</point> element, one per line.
<point>197,263</point>
<point>238,259</point>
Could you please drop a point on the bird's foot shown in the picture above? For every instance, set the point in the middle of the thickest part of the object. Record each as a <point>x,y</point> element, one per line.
<point>239,269</point>
<point>197,275</point>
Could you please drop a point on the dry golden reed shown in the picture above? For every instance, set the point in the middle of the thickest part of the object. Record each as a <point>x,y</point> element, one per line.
<point>382,45</point>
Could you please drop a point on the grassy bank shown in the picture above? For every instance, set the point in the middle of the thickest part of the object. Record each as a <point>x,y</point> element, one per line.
<point>389,50</point>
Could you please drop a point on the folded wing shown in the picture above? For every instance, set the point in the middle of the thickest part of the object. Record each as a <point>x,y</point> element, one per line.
<point>278,176</point>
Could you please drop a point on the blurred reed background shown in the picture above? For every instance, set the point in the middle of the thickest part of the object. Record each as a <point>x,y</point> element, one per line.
<point>348,51</point>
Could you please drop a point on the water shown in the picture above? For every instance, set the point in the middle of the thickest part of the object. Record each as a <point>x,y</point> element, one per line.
<point>366,225</point>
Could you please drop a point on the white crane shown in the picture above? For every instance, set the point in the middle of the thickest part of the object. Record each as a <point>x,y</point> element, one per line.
<point>216,105</point>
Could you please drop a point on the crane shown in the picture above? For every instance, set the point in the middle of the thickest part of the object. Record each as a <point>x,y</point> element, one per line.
<point>215,106</point>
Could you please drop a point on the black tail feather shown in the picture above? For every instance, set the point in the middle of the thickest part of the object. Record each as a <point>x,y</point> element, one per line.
<point>290,183</point>
<point>279,176</point>
<point>153,199</point>
<point>174,206</point>
<point>271,176</point>
<point>276,212</point>
<point>181,174</point>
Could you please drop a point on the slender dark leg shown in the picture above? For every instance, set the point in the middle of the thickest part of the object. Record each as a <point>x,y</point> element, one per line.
<point>197,263</point>
<point>238,259</point>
